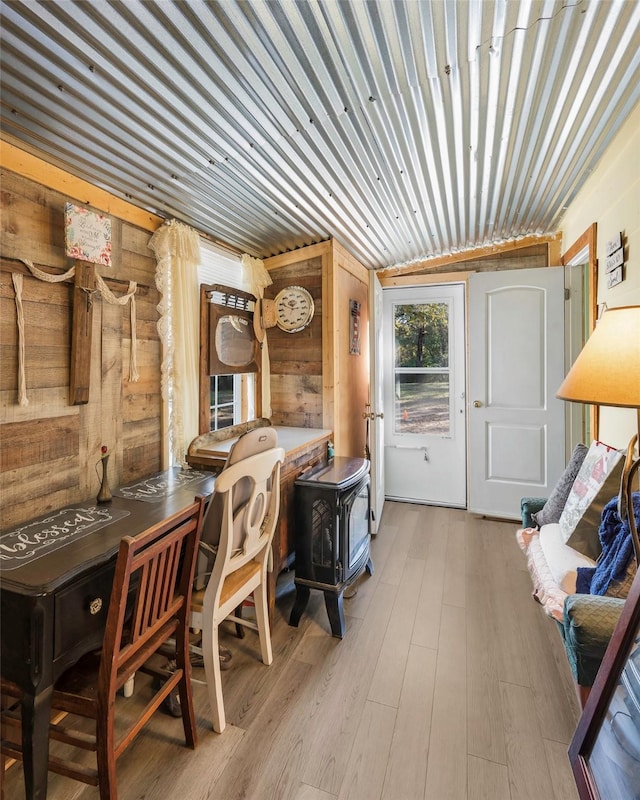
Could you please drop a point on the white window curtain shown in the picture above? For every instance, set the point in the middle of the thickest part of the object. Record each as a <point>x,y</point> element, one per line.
<point>184,261</point>
<point>259,279</point>
<point>177,250</point>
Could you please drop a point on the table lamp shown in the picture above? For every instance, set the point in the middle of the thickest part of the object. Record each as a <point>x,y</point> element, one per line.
<point>607,373</point>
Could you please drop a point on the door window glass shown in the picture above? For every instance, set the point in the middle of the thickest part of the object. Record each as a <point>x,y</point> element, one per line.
<point>421,369</point>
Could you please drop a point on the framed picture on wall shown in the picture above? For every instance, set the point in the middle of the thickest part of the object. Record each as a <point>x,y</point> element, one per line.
<point>354,327</point>
<point>605,750</point>
<point>87,235</point>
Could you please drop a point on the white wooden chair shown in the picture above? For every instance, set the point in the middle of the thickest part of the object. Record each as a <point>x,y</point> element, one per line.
<point>244,509</point>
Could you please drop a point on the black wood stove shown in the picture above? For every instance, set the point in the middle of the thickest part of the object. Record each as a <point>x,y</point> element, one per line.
<point>332,512</point>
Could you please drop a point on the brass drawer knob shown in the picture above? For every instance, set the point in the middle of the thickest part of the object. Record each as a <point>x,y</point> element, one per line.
<point>95,606</point>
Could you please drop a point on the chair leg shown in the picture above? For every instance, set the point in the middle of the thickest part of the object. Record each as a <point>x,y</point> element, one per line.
<point>3,769</point>
<point>210,653</point>
<point>183,662</point>
<point>105,752</point>
<point>240,631</point>
<point>127,689</point>
<point>262,619</point>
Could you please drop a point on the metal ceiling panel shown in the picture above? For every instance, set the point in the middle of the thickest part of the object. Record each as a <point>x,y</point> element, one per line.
<point>404,128</point>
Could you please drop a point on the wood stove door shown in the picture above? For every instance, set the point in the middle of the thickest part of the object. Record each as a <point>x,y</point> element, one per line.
<point>356,527</point>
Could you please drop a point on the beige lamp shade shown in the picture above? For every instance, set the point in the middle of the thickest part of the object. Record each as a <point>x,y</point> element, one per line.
<point>607,370</point>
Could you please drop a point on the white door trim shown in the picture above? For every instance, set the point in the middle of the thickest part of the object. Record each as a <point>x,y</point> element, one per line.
<point>376,402</point>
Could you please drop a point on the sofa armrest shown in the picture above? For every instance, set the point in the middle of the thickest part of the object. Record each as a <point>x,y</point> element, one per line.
<point>529,506</point>
<point>589,621</point>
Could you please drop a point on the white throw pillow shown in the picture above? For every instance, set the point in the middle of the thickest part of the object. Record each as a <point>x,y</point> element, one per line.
<point>563,561</point>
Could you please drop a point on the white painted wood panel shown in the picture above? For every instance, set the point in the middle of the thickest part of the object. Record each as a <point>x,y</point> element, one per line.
<point>516,364</point>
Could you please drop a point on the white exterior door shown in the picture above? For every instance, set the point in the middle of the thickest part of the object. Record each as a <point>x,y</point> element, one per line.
<point>376,400</point>
<point>425,419</point>
<point>516,364</point>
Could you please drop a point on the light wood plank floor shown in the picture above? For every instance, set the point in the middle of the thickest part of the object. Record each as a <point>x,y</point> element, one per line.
<point>450,684</point>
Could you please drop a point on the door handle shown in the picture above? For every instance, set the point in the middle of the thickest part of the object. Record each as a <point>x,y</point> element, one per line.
<point>372,415</point>
<point>477,404</point>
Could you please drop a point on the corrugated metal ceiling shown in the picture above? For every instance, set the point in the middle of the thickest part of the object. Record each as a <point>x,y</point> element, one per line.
<point>404,129</point>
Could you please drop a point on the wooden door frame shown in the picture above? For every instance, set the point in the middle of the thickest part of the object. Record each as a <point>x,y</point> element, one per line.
<point>585,245</point>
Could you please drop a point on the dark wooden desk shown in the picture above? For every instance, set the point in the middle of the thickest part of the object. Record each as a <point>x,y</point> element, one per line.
<point>54,606</point>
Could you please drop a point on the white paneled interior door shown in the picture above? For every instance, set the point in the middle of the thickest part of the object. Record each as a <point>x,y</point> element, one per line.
<point>516,364</point>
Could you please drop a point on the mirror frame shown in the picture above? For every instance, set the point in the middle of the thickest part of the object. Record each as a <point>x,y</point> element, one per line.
<point>597,707</point>
<point>239,304</point>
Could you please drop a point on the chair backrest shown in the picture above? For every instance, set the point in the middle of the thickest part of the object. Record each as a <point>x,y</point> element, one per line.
<point>248,444</point>
<point>248,526</point>
<point>151,595</point>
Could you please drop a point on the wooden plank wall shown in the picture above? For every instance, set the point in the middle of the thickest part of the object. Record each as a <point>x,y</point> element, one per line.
<point>315,381</point>
<point>351,370</point>
<point>49,449</point>
<point>296,358</point>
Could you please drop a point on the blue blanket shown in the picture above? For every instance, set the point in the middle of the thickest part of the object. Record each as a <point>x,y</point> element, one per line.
<point>617,549</point>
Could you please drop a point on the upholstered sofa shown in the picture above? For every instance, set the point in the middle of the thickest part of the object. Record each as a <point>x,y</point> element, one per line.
<point>585,621</point>
<point>566,557</point>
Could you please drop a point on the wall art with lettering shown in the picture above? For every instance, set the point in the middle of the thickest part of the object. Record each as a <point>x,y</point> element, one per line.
<point>87,235</point>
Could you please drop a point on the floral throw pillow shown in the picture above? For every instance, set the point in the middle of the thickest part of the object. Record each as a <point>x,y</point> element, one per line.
<point>598,480</point>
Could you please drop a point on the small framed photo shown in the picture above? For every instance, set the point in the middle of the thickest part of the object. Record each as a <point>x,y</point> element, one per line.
<point>605,750</point>
<point>354,327</point>
<point>614,277</point>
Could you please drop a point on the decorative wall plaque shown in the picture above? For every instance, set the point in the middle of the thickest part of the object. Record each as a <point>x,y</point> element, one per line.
<point>614,263</point>
<point>87,235</point>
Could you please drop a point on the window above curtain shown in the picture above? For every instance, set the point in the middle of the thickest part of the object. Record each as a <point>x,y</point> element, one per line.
<point>218,265</point>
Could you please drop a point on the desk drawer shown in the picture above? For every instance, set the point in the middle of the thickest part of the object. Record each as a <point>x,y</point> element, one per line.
<point>81,612</point>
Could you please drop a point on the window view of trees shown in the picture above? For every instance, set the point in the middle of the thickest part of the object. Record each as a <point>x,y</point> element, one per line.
<point>422,368</point>
<point>222,399</point>
<point>422,335</point>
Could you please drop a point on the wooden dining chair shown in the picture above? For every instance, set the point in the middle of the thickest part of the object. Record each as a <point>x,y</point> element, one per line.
<point>243,515</point>
<point>150,605</point>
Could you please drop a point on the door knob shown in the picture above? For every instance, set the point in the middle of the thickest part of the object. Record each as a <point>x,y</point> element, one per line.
<point>477,404</point>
